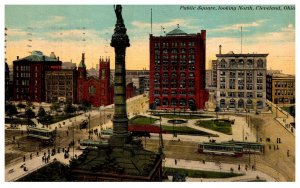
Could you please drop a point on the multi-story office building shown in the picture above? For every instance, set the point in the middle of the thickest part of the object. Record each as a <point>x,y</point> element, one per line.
<point>241,81</point>
<point>177,70</point>
<point>61,86</point>
<point>144,84</point>
<point>281,88</point>
<point>29,76</point>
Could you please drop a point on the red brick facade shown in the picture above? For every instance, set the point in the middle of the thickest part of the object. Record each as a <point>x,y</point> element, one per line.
<point>177,70</point>
<point>96,91</point>
<point>29,76</point>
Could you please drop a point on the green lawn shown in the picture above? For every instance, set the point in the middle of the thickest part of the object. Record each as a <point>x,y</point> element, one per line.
<point>290,110</point>
<point>198,173</point>
<point>18,121</point>
<point>142,120</point>
<point>216,125</point>
<point>183,116</point>
<point>185,130</point>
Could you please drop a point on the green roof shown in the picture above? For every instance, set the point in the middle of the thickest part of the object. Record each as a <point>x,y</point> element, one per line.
<point>37,56</point>
<point>175,32</point>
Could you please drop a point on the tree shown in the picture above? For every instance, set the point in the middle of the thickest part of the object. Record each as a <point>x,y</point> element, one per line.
<point>69,108</point>
<point>41,112</point>
<point>85,105</point>
<point>217,109</point>
<point>21,105</point>
<point>55,106</point>
<point>292,111</point>
<point>30,114</point>
<point>11,109</point>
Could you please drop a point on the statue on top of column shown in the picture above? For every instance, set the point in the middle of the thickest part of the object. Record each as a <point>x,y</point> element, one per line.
<point>118,11</point>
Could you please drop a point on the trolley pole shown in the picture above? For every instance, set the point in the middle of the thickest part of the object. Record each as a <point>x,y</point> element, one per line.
<point>73,138</point>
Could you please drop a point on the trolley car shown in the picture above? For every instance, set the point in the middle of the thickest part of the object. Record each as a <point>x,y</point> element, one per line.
<point>250,147</point>
<point>46,136</point>
<point>91,144</point>
<point>220,149</point>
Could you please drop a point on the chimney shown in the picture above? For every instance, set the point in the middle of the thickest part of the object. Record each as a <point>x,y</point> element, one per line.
<point>220,49</point>
<point>17,57</point>
<point>58,58</point>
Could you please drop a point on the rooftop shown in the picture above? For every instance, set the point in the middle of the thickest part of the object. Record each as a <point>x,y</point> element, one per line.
<point>232,54</point>
<point>37,56</point>
<point>176,32</point>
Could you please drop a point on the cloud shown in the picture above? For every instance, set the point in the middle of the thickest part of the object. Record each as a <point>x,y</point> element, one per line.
<point>12,32</point>
<point>236,27</point>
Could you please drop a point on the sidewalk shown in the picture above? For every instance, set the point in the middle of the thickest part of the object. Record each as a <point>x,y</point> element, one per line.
<point>14,172</point>
<point>248,174</point>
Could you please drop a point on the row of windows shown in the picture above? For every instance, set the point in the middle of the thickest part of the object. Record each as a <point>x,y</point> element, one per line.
<point>166,68</point>
<point>241,86</point>
<point>175,51</point>
<point>233,63</point>
<point>174,102</point>
<point>174,57</point>
<point>284,92</point>
<point>284,84</point>
<point>173,62</point>
<point>173,75</point>
<point>240,94</point>
<point>240,104</point>
<point>174,44</point>
<point>60,77</point>
<point>241,80</point>
<point>23,68</point>
<point>240,73</point>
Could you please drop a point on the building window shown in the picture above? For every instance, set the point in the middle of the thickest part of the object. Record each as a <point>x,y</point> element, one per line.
<point>249,95</point>
<point>241,63</point>
<point>259,80</point>
<point>260,63</point>
<point>223,63</point>
<point>259,95</point>
<point>232,103</point>
<point>192,43</point>
<point>157,101</point>
<point>240,94</point>
<point>92,90</point>
<point>174,102</point>
<point>222,94</point>
<point>222,103</point>
<point>165,102</point>
<point>222,85</point>
<point>241,103</point>
<point>222,73</point>
<point>249,63</point>
<point>259,87</point>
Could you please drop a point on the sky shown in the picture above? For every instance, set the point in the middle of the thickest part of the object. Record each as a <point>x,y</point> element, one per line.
<point>69,30</point>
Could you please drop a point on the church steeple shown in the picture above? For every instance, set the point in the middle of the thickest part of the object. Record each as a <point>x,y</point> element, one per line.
<point>82,67</point>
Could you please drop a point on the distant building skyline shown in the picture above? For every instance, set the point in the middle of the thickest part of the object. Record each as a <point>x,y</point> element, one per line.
<point>69,30</point>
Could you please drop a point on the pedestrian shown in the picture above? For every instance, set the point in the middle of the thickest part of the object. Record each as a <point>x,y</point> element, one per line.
<point>48,151</point>
<point>37,153</point>
<point>288,153</point>
<point>43,158</point>
<point>246,167</point>
<point>175,162</point>
<point>67,132</point>
<point>63,149</point>
<point>18,144</point>
<point>24,158</point>
<point>239,168</point>
<point>30,156</point>
<point>203,161</point>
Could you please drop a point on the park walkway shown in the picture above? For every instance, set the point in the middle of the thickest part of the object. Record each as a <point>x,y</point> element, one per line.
<point>247,175</point>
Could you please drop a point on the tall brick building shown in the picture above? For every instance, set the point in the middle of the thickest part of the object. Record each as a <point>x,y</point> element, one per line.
<point>96,91</point>
<point>177,70</point>
<point>29,76</point>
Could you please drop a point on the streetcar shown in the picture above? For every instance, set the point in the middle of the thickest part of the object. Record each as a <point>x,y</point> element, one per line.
<point>91,144</point>
<point>250,147</point>
<point>220,149</point>
<point>46,136</point>
<point>106,134</point>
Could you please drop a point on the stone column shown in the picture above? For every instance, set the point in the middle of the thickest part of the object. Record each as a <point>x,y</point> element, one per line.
<point>120,42</point>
